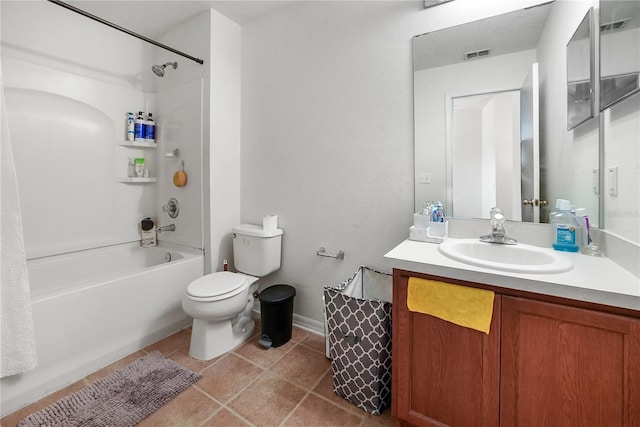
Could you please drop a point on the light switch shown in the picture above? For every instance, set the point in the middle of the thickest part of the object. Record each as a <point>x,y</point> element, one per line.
<point>425,178</point>
<point>612,181</point>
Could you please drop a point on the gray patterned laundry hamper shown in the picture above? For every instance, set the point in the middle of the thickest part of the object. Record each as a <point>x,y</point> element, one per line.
<point>358,331</point>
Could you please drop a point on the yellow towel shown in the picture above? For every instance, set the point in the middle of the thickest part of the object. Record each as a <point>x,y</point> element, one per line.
<point>464,306</point>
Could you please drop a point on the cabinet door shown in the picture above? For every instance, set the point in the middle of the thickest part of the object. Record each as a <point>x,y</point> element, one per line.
<point>565,366</point>
<point>443,374</point>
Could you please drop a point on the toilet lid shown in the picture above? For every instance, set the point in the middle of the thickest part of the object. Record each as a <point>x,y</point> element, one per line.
<point>216,284</point>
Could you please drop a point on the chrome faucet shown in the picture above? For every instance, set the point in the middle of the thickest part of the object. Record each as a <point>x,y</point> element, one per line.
<point>498,235</point>
<point>170,227</point>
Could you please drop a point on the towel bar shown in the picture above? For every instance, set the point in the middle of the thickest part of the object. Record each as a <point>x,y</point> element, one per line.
<point>323,252</point>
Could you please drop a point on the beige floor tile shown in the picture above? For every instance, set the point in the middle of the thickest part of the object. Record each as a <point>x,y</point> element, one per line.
<point>383,420</point>
<point>268,401</point>
<point>317,412</point>
<point>182,357</point>
<point>172,343</point>
<point>262,356</point>
<point>225,418</point>
<point>314,341</point>
<point>298,334</point>
<point>14,418</point>
<point>227,377</point>
<point>302,366</point>
<point>109,369</point>
<point>189,409</point>
<point>253,396</point>
<point>325,389</point>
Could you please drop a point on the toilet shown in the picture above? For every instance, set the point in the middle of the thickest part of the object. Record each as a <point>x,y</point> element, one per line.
<point>221,303</point>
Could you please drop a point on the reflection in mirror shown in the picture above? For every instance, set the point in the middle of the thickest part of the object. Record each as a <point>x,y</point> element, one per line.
<point>460,126</point>
<point>485,132</point>
<point>580,62</point>
<point>619,51</point>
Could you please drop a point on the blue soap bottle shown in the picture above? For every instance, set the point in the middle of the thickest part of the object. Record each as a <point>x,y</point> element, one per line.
<point>565,228</point>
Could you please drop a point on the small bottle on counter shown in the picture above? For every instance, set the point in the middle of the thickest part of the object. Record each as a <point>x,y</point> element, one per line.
<point>564,227</point>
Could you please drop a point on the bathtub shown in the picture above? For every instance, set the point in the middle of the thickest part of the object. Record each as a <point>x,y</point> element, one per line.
<point>93,307</point>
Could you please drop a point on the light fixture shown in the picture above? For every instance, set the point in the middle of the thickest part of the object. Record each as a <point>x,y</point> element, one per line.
<point>431,3</point>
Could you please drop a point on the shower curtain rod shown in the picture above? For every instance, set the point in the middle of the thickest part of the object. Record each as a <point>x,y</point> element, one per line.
<point>124,30</point>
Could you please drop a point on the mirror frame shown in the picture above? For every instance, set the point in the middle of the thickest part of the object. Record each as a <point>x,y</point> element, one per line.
<point>588,132</point>
<point>581,92</point>
<point>616,88</point>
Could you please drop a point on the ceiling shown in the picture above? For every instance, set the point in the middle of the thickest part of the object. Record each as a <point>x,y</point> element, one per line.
<point>153,18</point>
<point>502,34</point>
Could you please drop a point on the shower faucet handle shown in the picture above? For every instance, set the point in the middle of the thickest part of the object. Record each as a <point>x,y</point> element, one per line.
<point>172,208</point>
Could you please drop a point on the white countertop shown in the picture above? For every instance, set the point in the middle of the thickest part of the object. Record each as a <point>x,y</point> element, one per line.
<point>592,279</point>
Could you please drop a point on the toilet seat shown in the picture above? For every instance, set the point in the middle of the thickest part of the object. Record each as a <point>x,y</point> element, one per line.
<point>217,286</point>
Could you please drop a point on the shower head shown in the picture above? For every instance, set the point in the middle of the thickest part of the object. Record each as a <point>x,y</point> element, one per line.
<point>159,69</point>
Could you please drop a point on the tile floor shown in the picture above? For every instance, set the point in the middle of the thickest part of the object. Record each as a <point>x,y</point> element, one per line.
<point>286,386</point>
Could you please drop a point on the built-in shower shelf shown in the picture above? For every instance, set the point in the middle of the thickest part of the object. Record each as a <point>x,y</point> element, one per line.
<point>134,180</point>
<point>138,144</point>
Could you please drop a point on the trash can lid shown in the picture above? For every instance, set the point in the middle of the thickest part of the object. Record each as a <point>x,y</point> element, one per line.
<point>277,293</point>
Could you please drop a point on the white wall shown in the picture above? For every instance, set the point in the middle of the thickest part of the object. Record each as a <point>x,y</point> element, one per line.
<point>567,157</point>
<point>224,141</point>
<point>622,150</point>
<point>327,131</point>
<point>436,87</point>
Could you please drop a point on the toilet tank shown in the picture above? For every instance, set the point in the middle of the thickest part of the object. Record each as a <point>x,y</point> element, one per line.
<point>256,251</point>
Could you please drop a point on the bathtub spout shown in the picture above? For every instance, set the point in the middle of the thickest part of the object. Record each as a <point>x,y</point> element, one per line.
<point>171,227</point>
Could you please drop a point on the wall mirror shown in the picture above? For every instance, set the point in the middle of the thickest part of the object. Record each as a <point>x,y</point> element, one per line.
<point>580,73</point>
<point>490,105</point>
<point>619,51</point>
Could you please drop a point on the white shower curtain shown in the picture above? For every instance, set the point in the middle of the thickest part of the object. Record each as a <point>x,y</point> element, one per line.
<point>17,340</point>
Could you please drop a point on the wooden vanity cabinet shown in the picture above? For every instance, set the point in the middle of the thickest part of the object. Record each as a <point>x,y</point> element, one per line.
<point>542,364</point>
<point>567,366</point>
<point>443,374</point>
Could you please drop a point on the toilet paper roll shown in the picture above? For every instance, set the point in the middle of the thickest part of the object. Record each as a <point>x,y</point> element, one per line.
<point>270,222</point>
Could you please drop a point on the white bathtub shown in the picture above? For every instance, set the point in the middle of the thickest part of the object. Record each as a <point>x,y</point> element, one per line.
<point>93,307</point>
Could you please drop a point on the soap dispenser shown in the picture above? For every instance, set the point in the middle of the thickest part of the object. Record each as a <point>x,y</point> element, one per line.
<point>564,227</point>
<point>148,233</point>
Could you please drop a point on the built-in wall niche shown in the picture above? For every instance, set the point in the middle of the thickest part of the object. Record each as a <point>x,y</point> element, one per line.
<point>133,150</point>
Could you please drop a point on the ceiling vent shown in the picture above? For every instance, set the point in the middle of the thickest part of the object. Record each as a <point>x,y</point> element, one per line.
<point>615,25</point>
<point>476,54</point>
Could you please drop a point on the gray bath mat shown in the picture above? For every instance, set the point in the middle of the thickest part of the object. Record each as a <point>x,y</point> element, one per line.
<point>124,398</point>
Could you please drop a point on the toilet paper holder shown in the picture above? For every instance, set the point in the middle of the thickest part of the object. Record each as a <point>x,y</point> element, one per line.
<point>323,252</point>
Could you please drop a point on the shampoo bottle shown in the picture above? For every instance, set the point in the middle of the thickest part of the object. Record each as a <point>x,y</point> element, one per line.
<point>150,129</point>
<point>138,127</point>
<point>130,127</point>
<point>564,227</point>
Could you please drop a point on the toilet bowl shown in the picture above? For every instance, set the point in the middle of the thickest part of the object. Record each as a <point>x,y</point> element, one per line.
<point>221,305</point>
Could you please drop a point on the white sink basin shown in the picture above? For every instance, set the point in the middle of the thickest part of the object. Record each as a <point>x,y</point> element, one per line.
<point>518,258</point>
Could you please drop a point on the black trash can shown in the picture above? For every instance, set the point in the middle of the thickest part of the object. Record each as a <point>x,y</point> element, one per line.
<point>276,315</point>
